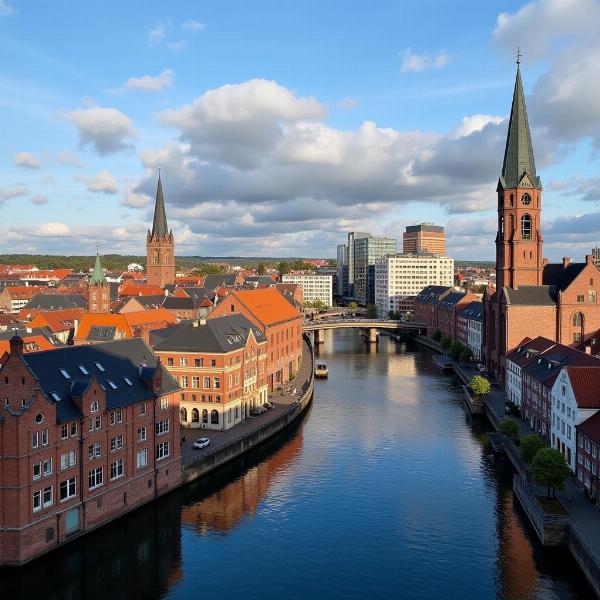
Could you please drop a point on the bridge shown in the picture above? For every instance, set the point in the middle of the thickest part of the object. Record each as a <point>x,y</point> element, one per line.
<point>371,326</point>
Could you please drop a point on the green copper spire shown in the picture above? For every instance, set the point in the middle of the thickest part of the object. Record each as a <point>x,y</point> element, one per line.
<point>518,155</point>
<point>159,225</point>
<point>98,274</point>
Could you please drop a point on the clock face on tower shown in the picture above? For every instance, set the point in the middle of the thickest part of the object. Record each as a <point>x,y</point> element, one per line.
<point>526,199</point>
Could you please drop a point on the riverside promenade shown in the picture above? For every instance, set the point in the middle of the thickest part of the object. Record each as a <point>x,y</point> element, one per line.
<point>290,402</point>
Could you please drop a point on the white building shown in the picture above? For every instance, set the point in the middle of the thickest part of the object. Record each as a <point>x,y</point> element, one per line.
<point>314,287</point>
<point>574,399</point>
<point>400,277</point>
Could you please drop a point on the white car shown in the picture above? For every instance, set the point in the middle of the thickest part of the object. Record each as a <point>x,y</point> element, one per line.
<point>201,443</point>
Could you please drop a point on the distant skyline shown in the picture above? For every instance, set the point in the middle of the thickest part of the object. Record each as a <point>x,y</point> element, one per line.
<point>279,126</point>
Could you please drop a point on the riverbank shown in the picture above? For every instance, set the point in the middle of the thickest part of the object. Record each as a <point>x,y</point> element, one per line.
<point>552,530</point>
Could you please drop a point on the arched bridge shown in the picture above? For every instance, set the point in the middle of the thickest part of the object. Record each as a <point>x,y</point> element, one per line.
<point>370,325</point>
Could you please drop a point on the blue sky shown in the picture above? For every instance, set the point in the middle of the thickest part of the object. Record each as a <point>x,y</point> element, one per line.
<point>279,126</point>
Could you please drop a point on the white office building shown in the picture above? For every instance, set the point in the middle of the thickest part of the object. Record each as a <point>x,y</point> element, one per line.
<point>400,277</point>
<point>314,287</point>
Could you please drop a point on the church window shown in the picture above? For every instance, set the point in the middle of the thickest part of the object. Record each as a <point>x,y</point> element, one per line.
<point>156,257</point>
<point>526,199</point>
<point>526,227</point>
<point>577,319</point>
<point>592,296</point>
<point>512,199</point>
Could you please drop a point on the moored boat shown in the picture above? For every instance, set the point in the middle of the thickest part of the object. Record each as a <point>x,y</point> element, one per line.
<point>321,370</point>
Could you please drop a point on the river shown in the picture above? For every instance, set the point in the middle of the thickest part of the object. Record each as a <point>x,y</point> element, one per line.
<point>383,490</point>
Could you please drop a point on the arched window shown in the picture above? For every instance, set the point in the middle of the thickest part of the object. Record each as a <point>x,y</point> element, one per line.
<point>577,319</point>
<point>526,227</point>
<point>526,199</point>
<point>501,227</point>
<point>214,417</point>
<point>183,414</point>
<point>94,407</point>
<point>156,257</point>
<point>205,416</point>
<point>195,415</point>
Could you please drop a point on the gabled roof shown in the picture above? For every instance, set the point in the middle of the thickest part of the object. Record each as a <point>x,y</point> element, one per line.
<point>518,153</point>
<point>473,311</point>
<point>266,304</point>
<point>449,301</point>
<point>559,276</point>
<point>585,382</point>
<point>530,295</point>
<point>591,427</point>
<point>528,349</point>
<point>546,367</point>
<point>57,320</point>
<point>224,334</point>
<point>139,289</point>
<point>119,360</point>
<point>432,294</point>
<point>213,281</point>
<point>56,302</point>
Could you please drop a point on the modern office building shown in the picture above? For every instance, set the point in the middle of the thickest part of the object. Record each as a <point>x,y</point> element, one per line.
<point>342,261</point>
<point>424,237</point>
<point>399,278</point>
<point>367,251</point>
<point>352,237</point>
<point>314,286</point>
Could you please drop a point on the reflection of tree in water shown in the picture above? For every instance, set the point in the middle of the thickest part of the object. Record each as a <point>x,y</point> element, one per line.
<point>223,509</point>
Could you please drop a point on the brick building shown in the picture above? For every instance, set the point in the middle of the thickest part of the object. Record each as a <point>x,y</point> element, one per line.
<point>160,246</point>
<point>87,434</point>
<point>532,297</point>
<point>425,237</point>
<point>278,320</point>
<point>448,308</point>
<point>98,290</point>
<point>426,305</point>
<point>588,455</point>
<point>221,367</point>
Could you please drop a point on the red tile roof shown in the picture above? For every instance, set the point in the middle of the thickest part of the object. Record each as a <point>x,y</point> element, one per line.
<point>585,382</point>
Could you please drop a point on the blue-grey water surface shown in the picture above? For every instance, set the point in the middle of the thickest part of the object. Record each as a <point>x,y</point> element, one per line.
<point>384,490</point>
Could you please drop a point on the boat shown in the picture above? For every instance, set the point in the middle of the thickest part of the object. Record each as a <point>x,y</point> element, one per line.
<point>321,370</point>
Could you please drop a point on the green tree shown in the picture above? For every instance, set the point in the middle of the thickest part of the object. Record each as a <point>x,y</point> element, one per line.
<point>530,444</point>
<point>445,343</point>
<point>466,355</point>
<point>372,311</point>
<point>480,386</point>
<point>261,269</point>
<point>549,468</point>
<point>284,267</point>
<point>456,349</point>
<point>437,335</point>
<point>352,306</point>
<point>319,304</point>
<point>509,428</point>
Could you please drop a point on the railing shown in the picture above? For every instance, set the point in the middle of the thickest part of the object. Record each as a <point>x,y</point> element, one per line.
<point>358,322</point>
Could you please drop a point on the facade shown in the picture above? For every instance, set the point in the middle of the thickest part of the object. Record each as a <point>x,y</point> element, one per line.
<point>278,320</point>
<point>98,290</point>
<point>574,399</point>
<point>425,237</point>
<point>314,287</point>
<point>448,308</point>
<point>532,297</point>
<point>367,251</point>
<point>342,267</point>
<point>160,246</point>
<point>88,433</point>
<point>221,367</point>
<point>15,297</point>
<point>399,278</point>
<point>588,455</point>
<point>469,327</point>
<point>352,237</point>
<point>426,305</point>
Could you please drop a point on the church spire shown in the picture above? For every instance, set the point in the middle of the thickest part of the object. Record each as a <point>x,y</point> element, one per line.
<point>159,225</point>
<point>98,273</point>
<point>518,155</point>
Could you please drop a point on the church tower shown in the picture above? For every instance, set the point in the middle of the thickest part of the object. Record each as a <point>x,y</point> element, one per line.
<point>160,246</point>
<point>519,238</point>
<point>98,291</point>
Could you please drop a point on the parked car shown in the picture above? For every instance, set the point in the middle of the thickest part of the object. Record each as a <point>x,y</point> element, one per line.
<point>258,410</point>
<point>201,443</point>
<point>269,405</point>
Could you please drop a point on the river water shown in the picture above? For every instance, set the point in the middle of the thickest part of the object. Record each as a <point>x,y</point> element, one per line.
<point>383,490</point>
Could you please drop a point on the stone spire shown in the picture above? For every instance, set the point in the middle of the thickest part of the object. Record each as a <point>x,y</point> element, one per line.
<point>518,155</point>
<point>98,274</point>
<point>159,225</point>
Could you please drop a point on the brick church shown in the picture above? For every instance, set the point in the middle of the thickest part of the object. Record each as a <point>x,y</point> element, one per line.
<point>160,246</point>
<point>532,297</point>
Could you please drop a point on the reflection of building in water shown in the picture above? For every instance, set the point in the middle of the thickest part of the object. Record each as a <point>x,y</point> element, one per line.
<point>224,509</point>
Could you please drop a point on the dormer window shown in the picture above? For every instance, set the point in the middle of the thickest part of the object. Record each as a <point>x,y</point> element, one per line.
<point>127,380</point>
<point>64,374</point>
<point>55,396</point>
<point>94,407</point>
<point>112,384</point>
<point>83,370</point>
<point>100,367</point>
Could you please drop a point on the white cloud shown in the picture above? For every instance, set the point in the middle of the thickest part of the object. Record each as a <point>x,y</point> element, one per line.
<point>474,123</point>
<point>135,200</point>
<point>27,160</point>
<point>53,230</point>
<point>347,103</point>
<point>39,199</point>
<point>103,183</point>
<point>67,157</point>
<point>158,31</point>
<point>5,9</point>
<point>16,191</point>
<point>106,129</point>
<point>413,62</point>
<point>147,83</point>
<point>193,26</point>
<point>177,45</point>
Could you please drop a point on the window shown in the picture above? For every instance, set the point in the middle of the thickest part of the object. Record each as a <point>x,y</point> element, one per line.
<point>198,362</point>
<point>206,383</point>
<point>95,450</point>
<point>68,459</point>
<point>169,362</point>
<point>83,370</point>
<point>164,402</point>
<point>592,296</point>
<point>112,384</point>
<point>526,227</point>
<point>73,428</point>
<point>67,489</point>
<point>143,408</point>
<point>35,439</point>
<point>116,443</point>
<point>141,434</point>
<point>217,383</point>
<point>44,437</point>
<point>64,374</point>
<point>116,469</point>
<point>195,382</point>
<point>580,299</point>
<point>95,423</point>
<point>162,450</point>
<point>184,381</point>
<point>47,496</point>
<point>214,417</point>
<point>162,427</point>
<point>37,470</point>
<point>94,406</point>
<point>116,417</point>
<point>142,458</point>
<point>577,319</point>
<point>100,367</point>
<point>213,363</point>
<point>95,478</point>
<point>64,432</point>
<point>183,361</point>
<point>183,414</point>
<point>47,467</point>
<point>37,501</point>
<point>195,415</point>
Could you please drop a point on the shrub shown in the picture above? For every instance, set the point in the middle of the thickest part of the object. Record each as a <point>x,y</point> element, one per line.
<point>456,349</point>
<point>480,386</point>
<point>509,428</point>
<point>530,444</point>
<point>466,355</point>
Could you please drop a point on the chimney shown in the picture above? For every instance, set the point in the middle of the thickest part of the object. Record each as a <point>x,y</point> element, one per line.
<point>16,345</point>
<point>566,261</point>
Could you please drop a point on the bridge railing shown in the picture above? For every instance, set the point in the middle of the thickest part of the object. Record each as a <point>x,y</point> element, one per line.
<point>323,322</point>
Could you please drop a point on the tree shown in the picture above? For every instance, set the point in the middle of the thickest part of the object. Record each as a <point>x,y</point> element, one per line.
<point>372,311</point>
<point>509,428</point>
<point>530,444</point>
<point>549,468</point>
<point>480,386</point>
<point>466,355</point>
<point>352,306</point>
<point>456,349</point>
<point>446,343</point>
<point>391,314</point>
<point>437,335</point>
<point>261,269</point>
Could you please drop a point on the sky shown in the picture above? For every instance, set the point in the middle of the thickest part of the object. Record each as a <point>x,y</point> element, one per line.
<point>279,126</point>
